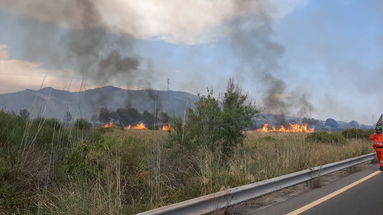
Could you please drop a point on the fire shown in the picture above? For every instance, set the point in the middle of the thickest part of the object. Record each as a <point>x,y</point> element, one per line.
<point>166,127</point>
<point>108,125</point>
<point>140,126</point>
<point>293,128</point>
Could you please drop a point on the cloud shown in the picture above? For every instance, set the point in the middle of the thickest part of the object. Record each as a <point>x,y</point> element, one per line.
<point>17,75</point>
<point>175,21</point>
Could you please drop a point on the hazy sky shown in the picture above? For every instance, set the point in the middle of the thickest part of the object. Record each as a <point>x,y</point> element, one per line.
<point>328,52</point>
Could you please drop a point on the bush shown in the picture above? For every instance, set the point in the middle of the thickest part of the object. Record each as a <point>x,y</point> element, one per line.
<point>204,123</point>
<point>236,117</point>
<point>11,128</point>
<point>326,137</point>
<point>45,132</point>
<point>357,133</point>
<point>50,123</point>
<point>82,124</point>
<point>78,162</point>
<point>218,126</point>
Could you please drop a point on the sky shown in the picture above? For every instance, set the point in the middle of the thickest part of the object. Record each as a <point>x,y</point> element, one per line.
<point>308,58</point>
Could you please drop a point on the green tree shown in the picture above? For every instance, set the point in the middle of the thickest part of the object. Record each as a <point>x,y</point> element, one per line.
<point>218,125</point>
<point>24,113</point>
<point>114,116</point>
<point>67,117</point>
<point>332,123</point>
<point>129,116</point>
<point>82,124</point>
<point>204,122</point>
<point>164,117</point>
<point>148,119</point>
<point>104,115</point>
<point>235,118</point>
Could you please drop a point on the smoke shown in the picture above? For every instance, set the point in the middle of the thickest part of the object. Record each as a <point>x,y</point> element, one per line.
<point>72,35</point>
<point>274,98</point>
<point>66,13</point>
<point>306,108</point>
<point>114,64</point>
<point>97,44</point>
<point>86,34</point>
<point>252,41</point>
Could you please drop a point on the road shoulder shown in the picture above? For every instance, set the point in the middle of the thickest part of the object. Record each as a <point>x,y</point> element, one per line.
<point>289,199</point>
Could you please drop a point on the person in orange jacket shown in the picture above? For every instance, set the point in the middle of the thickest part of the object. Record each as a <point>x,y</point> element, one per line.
<point>378,142</point>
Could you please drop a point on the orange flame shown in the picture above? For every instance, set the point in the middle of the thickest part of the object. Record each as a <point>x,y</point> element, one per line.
<point>166,127</point>
<point>108,125</point>
<point>293,128</point>
<point>140,126</point>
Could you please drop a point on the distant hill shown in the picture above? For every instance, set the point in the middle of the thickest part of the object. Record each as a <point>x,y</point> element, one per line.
<point>53,103</point>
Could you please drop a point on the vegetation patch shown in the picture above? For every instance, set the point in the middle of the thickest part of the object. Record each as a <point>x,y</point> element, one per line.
<point>326,137</point>
<point>357,133</point>
<point>48,168</point>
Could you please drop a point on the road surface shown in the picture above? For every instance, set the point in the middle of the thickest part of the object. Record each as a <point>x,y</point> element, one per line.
<point>360,192</point>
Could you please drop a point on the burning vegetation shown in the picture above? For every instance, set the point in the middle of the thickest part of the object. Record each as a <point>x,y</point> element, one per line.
<point>132,119</point>
<point>140,126</point>
<point>166,127</point>
<point>293,128</point>
<point>108,125</point>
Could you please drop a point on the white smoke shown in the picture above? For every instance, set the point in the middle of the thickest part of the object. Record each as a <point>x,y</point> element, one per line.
<point>176,21</point>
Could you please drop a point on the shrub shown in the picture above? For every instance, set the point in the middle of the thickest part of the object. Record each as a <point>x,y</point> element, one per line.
<point>203,125</point>
<point>82,124</point>
<point>44,132</point>
<point>357,133</point>
<point>326,137</point>
<point>51,123</point>
<point>11,128</point>
<point>216,125</point>
<point>236,116</point>
<point>77,162</point>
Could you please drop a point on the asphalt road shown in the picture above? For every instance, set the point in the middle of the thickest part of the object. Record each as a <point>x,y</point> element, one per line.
<point>364,198</point>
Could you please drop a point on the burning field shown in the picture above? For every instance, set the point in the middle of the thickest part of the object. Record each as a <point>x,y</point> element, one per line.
<point>266,128</point>
<point>292,128</point>
<point>139,126</point>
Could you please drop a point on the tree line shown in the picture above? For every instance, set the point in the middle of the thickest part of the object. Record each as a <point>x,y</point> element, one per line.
<point>122,116</point>
<point>131,116</point>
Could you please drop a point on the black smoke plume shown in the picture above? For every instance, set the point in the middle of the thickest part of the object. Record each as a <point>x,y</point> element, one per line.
<point>252,41</point>
<point>71,35</point>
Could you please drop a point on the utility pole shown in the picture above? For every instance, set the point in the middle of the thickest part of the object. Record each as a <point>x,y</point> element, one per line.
<point>168,84</point>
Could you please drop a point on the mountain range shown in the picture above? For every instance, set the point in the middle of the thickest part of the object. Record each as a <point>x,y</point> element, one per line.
<point>52,103</point>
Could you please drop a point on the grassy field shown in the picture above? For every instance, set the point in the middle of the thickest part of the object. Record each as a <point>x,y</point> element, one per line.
<point>48,169</point>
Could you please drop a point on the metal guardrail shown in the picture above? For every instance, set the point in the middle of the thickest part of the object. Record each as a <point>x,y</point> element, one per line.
<point>216,201</point>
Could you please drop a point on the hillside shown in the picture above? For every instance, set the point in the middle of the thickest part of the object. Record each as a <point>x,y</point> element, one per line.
<point>53,103</point>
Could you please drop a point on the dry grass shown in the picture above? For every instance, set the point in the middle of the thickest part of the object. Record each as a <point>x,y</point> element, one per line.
<point>129,171</point>
<point>174,174</point>
<point>278,154</point>
<point>147,135</point>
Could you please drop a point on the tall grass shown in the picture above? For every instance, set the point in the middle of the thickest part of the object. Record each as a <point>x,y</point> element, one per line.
<point>46,168</point>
